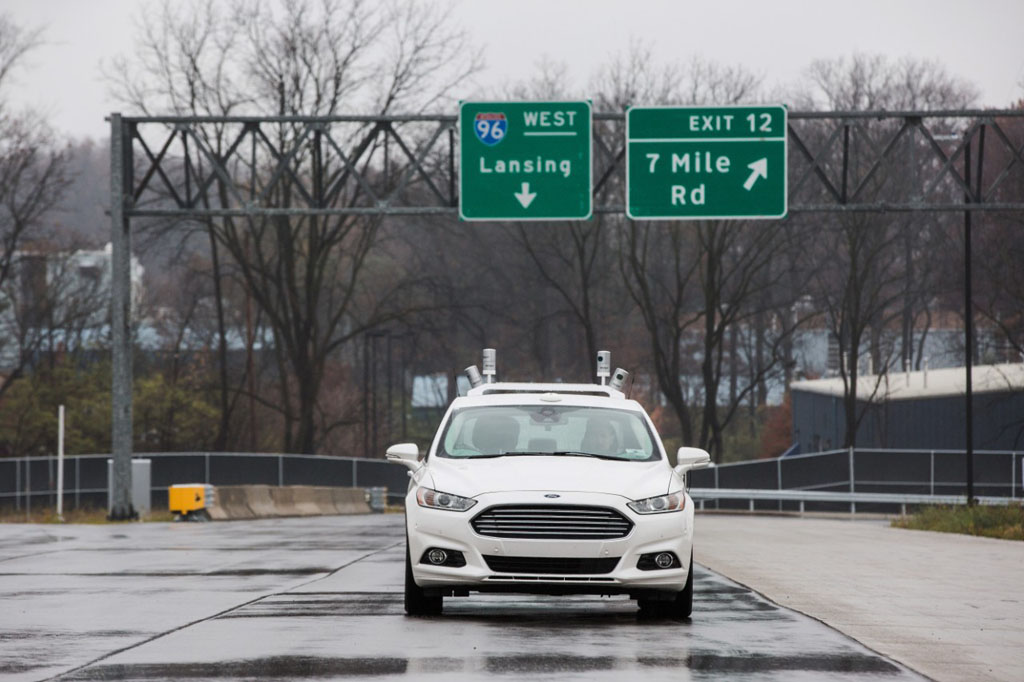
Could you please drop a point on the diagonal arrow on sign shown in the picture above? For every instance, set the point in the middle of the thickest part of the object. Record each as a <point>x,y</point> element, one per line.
<point>525,196</point>
<point>760,170</point>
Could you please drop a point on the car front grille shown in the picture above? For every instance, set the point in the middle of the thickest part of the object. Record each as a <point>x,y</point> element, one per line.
<point>552,522</point>
<point>552,565</point>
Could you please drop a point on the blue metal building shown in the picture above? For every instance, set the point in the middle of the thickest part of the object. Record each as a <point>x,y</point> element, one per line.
<point>914,410</point>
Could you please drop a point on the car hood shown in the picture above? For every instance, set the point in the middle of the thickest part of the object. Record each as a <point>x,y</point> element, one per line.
<point>472,477</point>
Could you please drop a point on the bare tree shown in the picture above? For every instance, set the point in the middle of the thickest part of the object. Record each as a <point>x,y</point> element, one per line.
<point>183,65</point>
<point>688,278</point>
<point>999,251</point>
<point>305,58</point>
<point>880,266</point>
<point>573,261</point>
<point>33,176</point>
<point>736,275</point>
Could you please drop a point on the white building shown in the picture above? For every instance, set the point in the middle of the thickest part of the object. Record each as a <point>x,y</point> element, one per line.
<point>56,298</point>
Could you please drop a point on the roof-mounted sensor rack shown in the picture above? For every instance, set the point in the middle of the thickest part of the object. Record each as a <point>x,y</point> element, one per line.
<point>566,389</point>
<point>479,385</point>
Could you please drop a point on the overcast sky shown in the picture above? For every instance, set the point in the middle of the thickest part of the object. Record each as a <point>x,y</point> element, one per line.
<point>978,40</point>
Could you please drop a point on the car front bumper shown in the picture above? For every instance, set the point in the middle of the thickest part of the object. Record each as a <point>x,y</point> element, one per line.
<point>448,530</point>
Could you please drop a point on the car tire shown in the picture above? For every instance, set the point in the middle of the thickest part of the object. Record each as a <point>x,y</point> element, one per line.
<point>680,607</point>
<point>417,603</point>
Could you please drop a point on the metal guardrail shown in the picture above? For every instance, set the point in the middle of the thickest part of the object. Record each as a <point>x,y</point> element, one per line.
<point>931,471</point>
<point>702,495</point>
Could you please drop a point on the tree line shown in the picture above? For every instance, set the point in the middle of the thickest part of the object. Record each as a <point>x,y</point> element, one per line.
<point>267,324</point>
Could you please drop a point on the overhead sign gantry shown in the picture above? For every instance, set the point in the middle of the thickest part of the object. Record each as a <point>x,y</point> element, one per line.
<point>166,182</point>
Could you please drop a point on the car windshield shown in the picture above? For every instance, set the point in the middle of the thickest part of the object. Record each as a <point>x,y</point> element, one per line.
<point>522,430</point>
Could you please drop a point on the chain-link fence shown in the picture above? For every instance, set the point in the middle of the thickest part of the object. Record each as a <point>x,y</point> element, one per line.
<point>27,481</point>
<point>864,470</point>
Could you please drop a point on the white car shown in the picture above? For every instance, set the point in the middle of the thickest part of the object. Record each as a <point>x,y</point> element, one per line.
<point>548,489</point>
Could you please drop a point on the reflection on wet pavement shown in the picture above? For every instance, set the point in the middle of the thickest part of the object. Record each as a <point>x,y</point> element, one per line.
<point>316,599</point>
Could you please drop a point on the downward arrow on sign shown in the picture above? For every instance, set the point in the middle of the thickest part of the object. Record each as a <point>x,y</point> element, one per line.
<point>525,197</point>
<point>760,170</point>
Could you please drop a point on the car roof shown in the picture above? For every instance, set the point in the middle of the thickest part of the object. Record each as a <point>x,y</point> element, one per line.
<point>561,389</point>
<point>577,395</point>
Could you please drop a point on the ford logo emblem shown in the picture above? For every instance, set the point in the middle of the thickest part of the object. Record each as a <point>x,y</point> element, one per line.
<point>552,495</point>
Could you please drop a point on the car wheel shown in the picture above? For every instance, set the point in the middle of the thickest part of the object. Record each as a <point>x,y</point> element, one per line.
<point>682,605</point>
<point>417,603</point>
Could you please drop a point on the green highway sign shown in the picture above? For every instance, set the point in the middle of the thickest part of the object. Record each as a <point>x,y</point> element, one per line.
<point>525,161</point>
<point>706,162</point>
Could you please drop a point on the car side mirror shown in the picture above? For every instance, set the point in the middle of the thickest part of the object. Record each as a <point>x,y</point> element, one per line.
<point>691,458</point>
<point>407,454</point>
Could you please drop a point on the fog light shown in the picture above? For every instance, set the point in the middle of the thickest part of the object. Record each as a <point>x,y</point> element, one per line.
<point>658,561</point>
<point>449,558</point>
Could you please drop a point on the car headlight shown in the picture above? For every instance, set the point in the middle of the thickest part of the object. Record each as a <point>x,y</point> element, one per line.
<point>672,502</point>
<point>435,499</point>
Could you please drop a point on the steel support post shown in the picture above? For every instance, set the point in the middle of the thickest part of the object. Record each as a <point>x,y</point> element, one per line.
<point>388,409</point>
<point>968,334</point>
<point>718,503</point>
<point>120,303</point>
<point>405,368</point>
<point>366,394</point>
<point>931,476</point>
<point>853,488</point>
<point>778,477</point>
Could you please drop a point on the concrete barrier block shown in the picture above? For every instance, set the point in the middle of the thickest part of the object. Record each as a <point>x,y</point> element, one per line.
<point>284,501</point>
<point>304,497</point>
<point>231,502</point>
<point>260,501</point>
<point>350,500</point>
<point>263,501</point>
<point>323,500</point>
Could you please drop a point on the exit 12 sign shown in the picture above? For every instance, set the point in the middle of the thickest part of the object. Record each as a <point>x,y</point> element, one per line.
<point>706,162</point>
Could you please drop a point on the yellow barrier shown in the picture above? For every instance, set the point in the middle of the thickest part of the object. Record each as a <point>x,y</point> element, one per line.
<point>191,500</point>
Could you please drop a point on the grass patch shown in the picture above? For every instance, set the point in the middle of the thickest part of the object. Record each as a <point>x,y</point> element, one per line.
<point>88,515</point>
<point>1003,522</point>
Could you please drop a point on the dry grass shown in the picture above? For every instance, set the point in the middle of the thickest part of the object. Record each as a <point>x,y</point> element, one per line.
<point>1003,522</point>
<point>90,515</point>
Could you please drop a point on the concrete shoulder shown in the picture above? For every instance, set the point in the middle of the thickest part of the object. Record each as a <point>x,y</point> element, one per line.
<point>949,606</point>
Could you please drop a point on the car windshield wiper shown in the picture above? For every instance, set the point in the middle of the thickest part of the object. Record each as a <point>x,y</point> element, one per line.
<point>557,453</point>
<point>577,453</point>
<point>507,454</point>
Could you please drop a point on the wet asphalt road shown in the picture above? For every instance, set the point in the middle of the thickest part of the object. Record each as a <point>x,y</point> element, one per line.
<point>322,598</point>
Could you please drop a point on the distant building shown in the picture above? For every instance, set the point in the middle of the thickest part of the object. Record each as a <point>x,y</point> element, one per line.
<point>915,410</point>
<point>62,296</point>
<point>61,276</point>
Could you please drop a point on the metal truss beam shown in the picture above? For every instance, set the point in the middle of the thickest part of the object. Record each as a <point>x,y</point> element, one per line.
<point>195,167</point>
